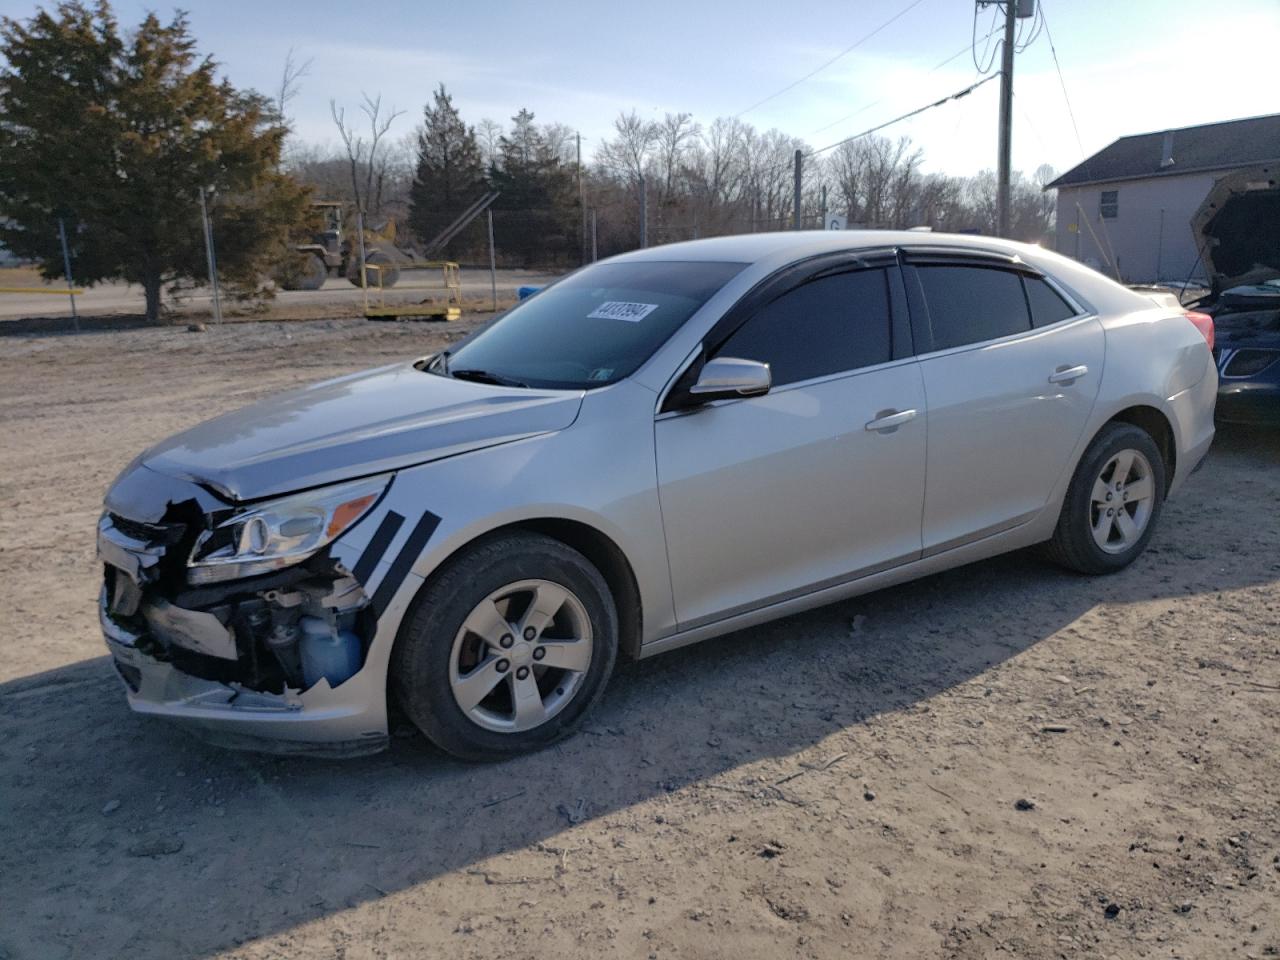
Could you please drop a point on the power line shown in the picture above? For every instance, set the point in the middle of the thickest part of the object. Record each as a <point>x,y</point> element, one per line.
<point>888,123</point>
<point>1080,214</point>
<point>880,126</point>
<point>978,62</point>
<point>934,69</point>
<point>1063,83</point>
<point>843,53</point>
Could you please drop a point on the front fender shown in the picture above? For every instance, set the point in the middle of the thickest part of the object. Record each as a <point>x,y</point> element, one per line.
<point>599,473</point>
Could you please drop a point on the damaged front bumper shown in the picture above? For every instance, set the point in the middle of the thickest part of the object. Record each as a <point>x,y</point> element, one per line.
<point>323,721</point>
<point>151,640</point>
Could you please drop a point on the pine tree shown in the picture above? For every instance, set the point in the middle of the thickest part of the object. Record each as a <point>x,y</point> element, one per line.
<point>537,205</point>
<point>450,171</point>
<point>116,134</point>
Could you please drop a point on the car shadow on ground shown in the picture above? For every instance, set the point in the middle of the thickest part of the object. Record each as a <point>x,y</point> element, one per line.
<point>152,826</point>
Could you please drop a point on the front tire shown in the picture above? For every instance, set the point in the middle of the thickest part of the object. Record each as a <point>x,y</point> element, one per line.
<point>507,649</point>
<point>1112,504</point>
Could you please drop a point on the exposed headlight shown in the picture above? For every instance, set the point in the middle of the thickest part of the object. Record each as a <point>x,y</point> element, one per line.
<point>280,533</point>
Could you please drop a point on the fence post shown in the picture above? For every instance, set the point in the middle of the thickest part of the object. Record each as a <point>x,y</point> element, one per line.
<point>210,258</point>
<point>364,283</point>
<point>493,264</point>
<point>66,268</point>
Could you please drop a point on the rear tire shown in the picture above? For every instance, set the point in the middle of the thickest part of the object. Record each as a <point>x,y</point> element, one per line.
<point>514,618</point>
<point>1113,502</point>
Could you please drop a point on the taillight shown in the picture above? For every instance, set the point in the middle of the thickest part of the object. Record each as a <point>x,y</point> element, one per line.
<point>1204,323</point>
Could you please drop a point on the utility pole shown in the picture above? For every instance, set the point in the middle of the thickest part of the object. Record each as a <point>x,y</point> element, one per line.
<point>593,236</point>
<point>1005,148</point>
<point>582,207</point>
<point>799,162</point>
<point>644,214</point>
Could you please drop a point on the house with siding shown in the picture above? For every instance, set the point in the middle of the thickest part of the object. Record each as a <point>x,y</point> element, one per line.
<point>1127,209</point>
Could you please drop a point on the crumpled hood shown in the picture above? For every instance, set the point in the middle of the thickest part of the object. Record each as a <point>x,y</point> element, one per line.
<point>357,425</point>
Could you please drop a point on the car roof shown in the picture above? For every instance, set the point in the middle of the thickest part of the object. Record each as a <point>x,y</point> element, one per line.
<point>755,247</point>
<point>773,250</point>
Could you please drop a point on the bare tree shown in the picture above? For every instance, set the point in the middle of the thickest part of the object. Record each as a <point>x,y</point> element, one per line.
<point>673,137</point>
<point>290,83</point>
<point>629,151</point>
<point>561,140</point>
<point>488,133</point>
<point>364,155</point>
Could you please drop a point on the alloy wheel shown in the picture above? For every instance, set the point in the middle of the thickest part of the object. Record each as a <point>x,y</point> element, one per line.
<point>1122,500</point>
<point>520,656</point>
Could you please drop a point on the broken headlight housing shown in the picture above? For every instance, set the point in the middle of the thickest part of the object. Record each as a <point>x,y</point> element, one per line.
<point>280,533</point>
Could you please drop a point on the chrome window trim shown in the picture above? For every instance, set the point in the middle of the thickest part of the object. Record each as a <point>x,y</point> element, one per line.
<point>1008,338</point>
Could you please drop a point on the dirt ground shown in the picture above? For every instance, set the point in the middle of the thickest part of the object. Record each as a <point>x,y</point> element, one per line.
<point>871,779</point>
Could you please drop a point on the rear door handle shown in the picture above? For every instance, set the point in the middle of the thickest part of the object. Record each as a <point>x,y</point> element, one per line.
<point>887,421</point>
<point>1068,374</point>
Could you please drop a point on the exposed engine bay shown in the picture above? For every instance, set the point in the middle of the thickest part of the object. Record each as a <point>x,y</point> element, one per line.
<point>274,633</point>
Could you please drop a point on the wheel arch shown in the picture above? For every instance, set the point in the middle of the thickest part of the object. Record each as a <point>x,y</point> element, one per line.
<point>597,546</point>
<point>1156,425</point>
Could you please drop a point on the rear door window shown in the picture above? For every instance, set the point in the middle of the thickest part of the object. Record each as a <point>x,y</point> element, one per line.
<point>828,325</point>
<point>973,304</point>
<point>1047,306</point>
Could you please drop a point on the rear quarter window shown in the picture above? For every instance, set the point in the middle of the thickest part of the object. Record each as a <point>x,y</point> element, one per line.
<point>1047,306</point>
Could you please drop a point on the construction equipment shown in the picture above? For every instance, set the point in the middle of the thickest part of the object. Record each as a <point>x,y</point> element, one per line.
<point>331,252</point>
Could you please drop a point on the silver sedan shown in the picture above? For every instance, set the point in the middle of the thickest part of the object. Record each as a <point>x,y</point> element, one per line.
<point>659,448</point>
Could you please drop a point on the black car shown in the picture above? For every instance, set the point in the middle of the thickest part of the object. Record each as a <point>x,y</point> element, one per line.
<point>1247,351</point>
<point>1238,230</point>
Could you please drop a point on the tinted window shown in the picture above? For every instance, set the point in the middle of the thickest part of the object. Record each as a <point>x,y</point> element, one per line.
<point>825,326</point>
<point>973,304</point>
<point>593,327</point>
<point>1046,306</point>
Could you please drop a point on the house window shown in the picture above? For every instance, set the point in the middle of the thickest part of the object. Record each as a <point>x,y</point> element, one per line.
<point>1109,204</point>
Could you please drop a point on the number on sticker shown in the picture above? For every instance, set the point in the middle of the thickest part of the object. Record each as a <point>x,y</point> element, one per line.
<point>622,310</point>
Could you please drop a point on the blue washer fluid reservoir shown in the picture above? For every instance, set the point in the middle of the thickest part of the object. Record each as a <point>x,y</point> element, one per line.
<point>332,654</point>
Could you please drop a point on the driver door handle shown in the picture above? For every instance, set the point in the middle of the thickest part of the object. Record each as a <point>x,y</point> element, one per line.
<point>1068,374</point>
<point>886,421</point>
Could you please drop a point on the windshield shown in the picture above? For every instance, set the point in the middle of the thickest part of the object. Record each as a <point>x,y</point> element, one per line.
<point>590,329</point>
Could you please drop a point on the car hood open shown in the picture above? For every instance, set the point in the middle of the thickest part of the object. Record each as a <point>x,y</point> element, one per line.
<point>1237,228</point>
<point>366,423</point>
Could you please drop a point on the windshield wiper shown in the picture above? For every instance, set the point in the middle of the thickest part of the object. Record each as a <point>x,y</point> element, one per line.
<point>484,376</point>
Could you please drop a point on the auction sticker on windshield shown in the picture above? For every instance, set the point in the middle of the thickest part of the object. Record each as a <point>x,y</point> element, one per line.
<point>622,310</point>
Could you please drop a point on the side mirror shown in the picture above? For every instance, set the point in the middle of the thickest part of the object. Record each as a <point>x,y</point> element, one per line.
<point>726,377</point>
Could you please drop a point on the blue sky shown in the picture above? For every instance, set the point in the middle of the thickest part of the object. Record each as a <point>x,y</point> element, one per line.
<point>1129,67</point>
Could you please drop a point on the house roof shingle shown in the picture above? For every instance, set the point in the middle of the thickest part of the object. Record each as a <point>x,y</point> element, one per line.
<point>1211,146</point>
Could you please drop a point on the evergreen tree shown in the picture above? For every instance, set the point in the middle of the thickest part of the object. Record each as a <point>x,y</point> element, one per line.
<point>537,204</point>
<point>116,134</point>
<point>450,171</point>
